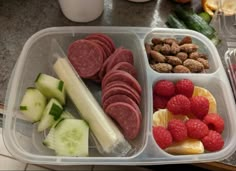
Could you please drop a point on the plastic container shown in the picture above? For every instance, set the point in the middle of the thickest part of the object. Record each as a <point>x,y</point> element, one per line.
<point>226,25</point>
<point>24,143</point>
<point>82,10</point>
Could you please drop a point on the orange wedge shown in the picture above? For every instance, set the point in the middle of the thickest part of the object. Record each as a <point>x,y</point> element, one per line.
<point>200,91</point>
<point>163,116</point>
<point>188,146</point>
<point>206,8</point>
<point>212,4</point>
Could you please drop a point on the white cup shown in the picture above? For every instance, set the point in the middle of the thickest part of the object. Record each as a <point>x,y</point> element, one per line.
<point>82,10</point>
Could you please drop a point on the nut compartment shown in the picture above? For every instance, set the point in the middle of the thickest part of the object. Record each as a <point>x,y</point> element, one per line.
<point>197,41</point>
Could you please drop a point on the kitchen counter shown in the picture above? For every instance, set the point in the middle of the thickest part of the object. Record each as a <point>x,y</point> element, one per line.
<point>20,19</point>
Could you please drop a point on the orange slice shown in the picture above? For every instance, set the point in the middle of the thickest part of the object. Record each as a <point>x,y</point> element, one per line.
<point>206,8</point>
<point>188,146</point>
<point>212,4</point>
<point>200,91</point>
<point>163,116</point>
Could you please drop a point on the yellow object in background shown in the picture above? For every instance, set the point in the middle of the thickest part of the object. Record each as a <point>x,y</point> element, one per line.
<point>228,7</point>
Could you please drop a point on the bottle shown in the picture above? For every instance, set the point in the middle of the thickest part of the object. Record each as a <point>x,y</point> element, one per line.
<point>82,10</point>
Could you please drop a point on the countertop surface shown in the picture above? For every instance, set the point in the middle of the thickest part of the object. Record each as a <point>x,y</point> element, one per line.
<point>20,19</point>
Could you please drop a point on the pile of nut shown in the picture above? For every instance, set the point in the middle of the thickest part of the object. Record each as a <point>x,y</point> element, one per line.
<point>172,56</point>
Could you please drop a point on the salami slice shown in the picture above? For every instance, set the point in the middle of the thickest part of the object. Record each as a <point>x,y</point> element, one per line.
<point>127,118</point>
<point>101,48</point>
<point>125,66</point>
<point>123,85</point>
<point>100,38</point>
<point>120,98</point>
<point>118,75</point>
<point>103,70</point>
<point>86,57</point>
<point>108,39</point>
<point>123,55</point>
<point>106,49</point>
<point>119,90</point>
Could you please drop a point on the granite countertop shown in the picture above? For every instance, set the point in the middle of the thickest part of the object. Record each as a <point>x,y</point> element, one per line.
<point>20,19</point>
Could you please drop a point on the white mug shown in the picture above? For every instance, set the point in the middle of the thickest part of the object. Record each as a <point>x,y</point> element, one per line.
<point>82,10</point>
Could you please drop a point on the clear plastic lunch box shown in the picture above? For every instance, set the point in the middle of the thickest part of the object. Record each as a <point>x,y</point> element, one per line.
<point>23,141</point>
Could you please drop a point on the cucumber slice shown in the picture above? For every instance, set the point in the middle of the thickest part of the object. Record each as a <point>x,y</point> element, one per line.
<point>67,115</point>
<point>33,104</point>
<point>51,87</point>
<point>51,113</point>
<point>49,140</point>
<point>71,138</point>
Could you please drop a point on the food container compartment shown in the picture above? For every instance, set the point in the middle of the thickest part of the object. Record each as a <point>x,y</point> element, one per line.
<point>21,137</point>
<point>217,87</point>
<point>215,81</point>
<point>23,141</point>
<point>197,39</point>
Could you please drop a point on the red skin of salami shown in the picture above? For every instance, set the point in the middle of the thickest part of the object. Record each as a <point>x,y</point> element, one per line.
<point>127,118</point>
<point>118,75</point>
<point>86,57</point>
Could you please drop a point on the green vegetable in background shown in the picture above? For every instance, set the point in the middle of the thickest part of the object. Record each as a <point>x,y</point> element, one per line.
<point>205,16</point>
<point>174,22</point>
<point>184,17</point>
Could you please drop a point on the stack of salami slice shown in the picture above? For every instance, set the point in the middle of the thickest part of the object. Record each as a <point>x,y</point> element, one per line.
<point>96,58</point>
<point>88,55</point>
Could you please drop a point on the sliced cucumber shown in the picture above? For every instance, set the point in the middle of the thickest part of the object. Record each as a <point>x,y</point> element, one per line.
<point>51,87</point>
<point>71,138</point>
<point>51,114</point>
<point>33,104</point>
<point>67,115</point>
<point>49,140</point>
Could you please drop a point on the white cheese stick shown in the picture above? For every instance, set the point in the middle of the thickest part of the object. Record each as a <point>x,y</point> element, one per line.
<point>105,131</point>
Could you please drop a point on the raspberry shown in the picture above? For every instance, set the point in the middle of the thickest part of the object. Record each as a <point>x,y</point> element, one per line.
<point>199,106</point>
<point>185,87</point>
<point>164,88</point>
<point>162,136</point>
<point>196,128</point>
<point>177,129</point>
<point>213,141</point>
<point>214,122</point>
<point>179,105</point>
<point>159,102</point>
